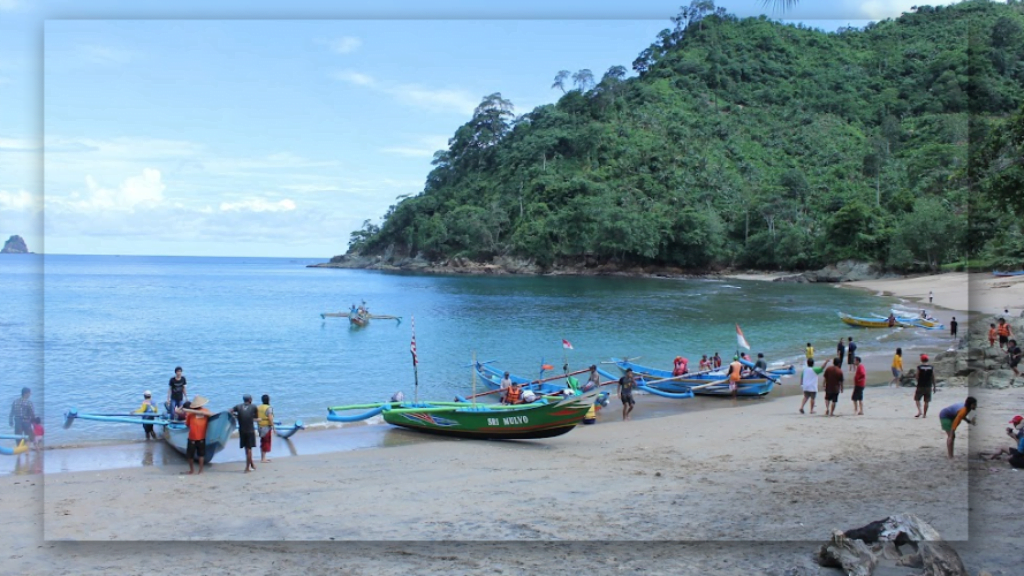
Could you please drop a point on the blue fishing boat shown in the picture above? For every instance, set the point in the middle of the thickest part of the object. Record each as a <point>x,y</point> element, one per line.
<point>218,430</point>
<point>1007,274</point>
<point>492,377</point>
<point>710,383</point>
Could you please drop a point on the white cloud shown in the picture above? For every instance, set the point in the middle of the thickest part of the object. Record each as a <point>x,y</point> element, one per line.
<point>145,191</point>
<point>345,45</point>
<point>425,148</point>
<point>258,205</point>
<point>356,78</point>
<point>20,144</point>
<point>19,201</point>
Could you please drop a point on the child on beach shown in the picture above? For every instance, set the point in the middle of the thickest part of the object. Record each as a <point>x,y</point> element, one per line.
<point>897,368</point>
<point>991,335</point>
<point>37,429</point>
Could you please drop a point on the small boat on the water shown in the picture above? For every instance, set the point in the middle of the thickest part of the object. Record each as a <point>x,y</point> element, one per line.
<point>545,418</point>
<point>20,446</point>
<point>544,386</point>
<point>867,322</point>
<point>1007,274</point>
<point>358,319</point>
<point>175,433</point>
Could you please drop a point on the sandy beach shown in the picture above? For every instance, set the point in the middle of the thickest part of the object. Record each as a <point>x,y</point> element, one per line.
<point>747,488</point>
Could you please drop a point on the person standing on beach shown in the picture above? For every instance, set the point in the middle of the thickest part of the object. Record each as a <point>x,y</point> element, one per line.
<point>833,386</point>
<point>860,381</point>
<point>177,393</point>
<point>717,361</point>
<point>840,353</point>
<point>626,386</point>
<point>925,386</point>
<point>196,419</point>
<point>1013,355</point>
<point>735,373</point>
<point>148,407</point>
<point>950,418</point>
<point>851,349</point>
<point>809,352</point>
<point>22,414</point>
<point>809,385</point>
<point>952,327</point>
<point>897,368</point>
<point>265,421</point>
<point>246,414</point>
<point>929,296</point>
<point>1004,333</point>
<point>991,335</point>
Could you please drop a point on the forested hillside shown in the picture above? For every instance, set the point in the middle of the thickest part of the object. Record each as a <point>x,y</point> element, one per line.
<point>740,142</point>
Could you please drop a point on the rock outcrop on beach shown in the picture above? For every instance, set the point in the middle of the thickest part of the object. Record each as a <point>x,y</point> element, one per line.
<point>15,245</point>
<point>899,540</point>
<point>844,271</point>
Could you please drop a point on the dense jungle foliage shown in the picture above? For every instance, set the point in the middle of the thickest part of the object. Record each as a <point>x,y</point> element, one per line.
<point>743,142</point>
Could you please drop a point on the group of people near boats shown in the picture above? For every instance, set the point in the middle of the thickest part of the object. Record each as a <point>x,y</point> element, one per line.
<point>252,420</point>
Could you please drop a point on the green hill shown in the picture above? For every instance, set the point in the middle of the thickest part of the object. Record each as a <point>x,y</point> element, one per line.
<point>741,142</point>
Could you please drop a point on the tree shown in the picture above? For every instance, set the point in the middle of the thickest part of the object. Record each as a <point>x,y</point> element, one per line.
<point>560,79</point>
<point>584,80</point>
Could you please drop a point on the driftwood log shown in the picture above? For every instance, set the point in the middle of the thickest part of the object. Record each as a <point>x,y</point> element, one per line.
<point>900,540</point>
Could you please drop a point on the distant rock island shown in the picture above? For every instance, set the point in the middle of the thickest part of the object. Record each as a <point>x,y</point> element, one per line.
<point>15,245</point>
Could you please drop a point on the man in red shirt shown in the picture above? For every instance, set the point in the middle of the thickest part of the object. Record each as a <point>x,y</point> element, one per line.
<point>196,418</point>
<point>860,380</point>
<point>833,386</point>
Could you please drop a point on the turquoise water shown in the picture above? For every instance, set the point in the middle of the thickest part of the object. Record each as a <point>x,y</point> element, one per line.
<point>112,327</point>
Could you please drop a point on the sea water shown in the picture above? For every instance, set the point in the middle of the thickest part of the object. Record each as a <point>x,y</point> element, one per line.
<point>94,332</point>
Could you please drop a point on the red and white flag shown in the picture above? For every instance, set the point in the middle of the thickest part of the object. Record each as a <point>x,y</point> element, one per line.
<point>740,340</point>
<point>566,344</point>
<point>412,348</point>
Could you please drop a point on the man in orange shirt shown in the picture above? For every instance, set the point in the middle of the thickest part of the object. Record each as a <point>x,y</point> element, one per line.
<point>196,418</point>
<point>735,368</point>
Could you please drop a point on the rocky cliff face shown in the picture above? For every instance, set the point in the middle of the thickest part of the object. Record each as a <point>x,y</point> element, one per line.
<point>15,245</point>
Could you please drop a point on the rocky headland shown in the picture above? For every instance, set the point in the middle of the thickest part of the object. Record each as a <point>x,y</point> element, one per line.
<point>15,245</point>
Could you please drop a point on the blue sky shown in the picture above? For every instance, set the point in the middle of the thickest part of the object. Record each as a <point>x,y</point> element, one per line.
<point>250,129</point>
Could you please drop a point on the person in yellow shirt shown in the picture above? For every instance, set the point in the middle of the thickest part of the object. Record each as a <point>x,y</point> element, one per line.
<point>810,351</point>
<point>897,368</point>
<point>148,407</point>
<point>265,426</point>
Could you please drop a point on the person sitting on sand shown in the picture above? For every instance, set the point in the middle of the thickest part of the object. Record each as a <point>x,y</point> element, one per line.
<point>925,386</point>
<point>626,385</point>
<point>196,419</point>
<point>513,394</point>
<point>809,385</point>
<point>950,418</point>
<point>1016,432</point>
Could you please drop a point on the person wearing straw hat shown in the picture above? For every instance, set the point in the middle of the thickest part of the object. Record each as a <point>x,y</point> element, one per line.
<point>148,407</point>
<point>246,414</point>
<point>196,419</point>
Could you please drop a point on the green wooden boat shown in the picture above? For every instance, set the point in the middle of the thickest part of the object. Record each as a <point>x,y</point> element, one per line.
<point>542,419</point>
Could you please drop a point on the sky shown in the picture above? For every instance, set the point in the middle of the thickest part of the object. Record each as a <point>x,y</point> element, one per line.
<point>259,129</point>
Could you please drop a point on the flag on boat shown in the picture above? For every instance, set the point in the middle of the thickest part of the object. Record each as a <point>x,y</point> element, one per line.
<point>412,348</point>
<point>740,340</point>
<point>567,345</point>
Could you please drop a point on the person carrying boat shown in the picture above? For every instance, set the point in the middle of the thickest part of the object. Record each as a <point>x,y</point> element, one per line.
<point>735,373</point>
<point>626,386</point>
<point>177,393</point>
<point>513,394</point>
<point>196,419</point>
<point>148,407</point>
<point>679,366</point>
<point>246,414</point>
<point>265,421</point>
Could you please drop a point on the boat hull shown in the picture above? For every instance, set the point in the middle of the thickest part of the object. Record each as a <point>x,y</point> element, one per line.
<point>218,433</point>
<point>746,387</point>
<point>530,422</point>
<point>865,322</point>
<point>492,379</point>
<point>357,320</point>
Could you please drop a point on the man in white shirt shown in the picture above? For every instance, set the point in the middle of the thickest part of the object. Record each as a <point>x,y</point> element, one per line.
<point>809,384</point>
